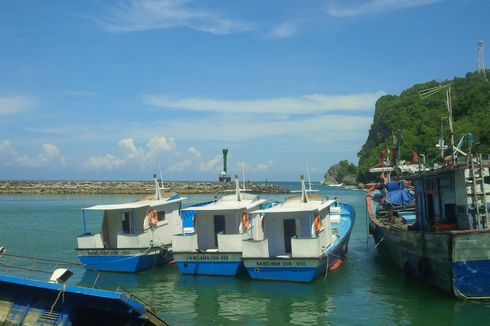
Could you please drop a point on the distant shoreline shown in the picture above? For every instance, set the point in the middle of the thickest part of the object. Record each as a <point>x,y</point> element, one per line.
<point>128,187</point>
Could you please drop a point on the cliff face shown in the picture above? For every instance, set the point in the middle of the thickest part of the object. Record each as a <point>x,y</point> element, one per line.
<point>342,172</point>
<point>417,121</point>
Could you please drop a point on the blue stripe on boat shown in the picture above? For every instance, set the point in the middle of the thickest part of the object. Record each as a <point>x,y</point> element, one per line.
<point>228,268</point>
<point>471,278</point>
<point>122,263</point>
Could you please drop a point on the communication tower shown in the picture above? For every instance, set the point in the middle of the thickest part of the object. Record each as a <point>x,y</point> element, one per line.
<point>481,61</point>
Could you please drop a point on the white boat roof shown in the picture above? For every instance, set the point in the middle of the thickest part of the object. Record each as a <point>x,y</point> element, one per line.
<point>382,169</point>
<point>298,206</point>
<point>229,202</point>
<point>134,204</point>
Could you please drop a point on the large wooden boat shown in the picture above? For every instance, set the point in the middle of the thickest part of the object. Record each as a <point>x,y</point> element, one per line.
<point>443,235</point>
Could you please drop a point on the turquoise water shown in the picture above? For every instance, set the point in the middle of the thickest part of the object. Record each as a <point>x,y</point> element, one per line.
<point>366,290</point>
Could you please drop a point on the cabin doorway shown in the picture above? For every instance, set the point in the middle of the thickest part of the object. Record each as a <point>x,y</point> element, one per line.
<point>219,227</point>
<point>289,232</point>
<point>126,226</point>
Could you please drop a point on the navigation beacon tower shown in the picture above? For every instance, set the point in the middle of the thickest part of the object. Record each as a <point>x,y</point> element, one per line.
<point>224,177</point>
<point>481,59</point>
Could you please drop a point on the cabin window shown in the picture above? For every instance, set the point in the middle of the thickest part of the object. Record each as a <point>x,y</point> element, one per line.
<point>219,227</point>
<point>429,185</point>
<point>289,232</point>
<point>161,216</point>
<point>125,222</point>
<point>450,211</point>
<point>445,183</point>
<point>430,209</point>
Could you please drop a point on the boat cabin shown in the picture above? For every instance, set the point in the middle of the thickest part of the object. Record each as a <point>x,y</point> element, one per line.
<point>218,226</point>
<point>136,224</point>
<point>293,229</point>
<point>452,198</point>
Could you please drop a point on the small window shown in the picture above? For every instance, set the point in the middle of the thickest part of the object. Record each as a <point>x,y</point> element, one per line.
<point>125,222</point>
<point>486,180</point>
<point>161,216</point>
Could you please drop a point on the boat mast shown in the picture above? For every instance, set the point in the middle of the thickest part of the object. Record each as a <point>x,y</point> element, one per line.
<point>237,189</point>
<point>450,114</point>
<point>428,92</point>
<point>304,197</point>
<point>308,172</point>
<point>243,175</point>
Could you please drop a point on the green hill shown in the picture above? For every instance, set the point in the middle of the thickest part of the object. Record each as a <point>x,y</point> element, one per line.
<point>417,121</point>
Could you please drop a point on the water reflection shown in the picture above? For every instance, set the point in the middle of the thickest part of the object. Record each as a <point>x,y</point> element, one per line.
<point>366,290</point>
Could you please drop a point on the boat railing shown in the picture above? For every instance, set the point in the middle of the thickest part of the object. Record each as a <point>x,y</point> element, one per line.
<point>40,269</point>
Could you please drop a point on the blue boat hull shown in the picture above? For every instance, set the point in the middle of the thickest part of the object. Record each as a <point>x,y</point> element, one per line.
<point>219,264</point>
<point>123,260</point>
<point>33,302</point>
<point>295,269</point>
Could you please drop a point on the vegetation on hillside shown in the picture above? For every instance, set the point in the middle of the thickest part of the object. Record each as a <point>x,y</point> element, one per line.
<point>342,172</point>
<point>417,121</point>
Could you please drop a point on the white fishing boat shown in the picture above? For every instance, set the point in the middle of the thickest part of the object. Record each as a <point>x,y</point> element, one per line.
<point>298,240</point>
<point>134,236</point>
<point>213,246</point>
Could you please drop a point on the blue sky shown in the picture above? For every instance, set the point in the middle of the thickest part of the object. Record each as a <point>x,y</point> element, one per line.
<point>112,89</point>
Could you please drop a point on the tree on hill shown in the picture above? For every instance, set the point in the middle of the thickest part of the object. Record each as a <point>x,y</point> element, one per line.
<point>342,172</point>
<point>417,121</point>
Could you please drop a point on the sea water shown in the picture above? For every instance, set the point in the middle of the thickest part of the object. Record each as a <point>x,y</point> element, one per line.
<point>366,290</point>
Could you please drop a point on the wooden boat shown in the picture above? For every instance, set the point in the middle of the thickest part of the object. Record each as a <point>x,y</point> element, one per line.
<point>213,245</point>
<point>298,240</point>
<point>442,236</point>
<point>135,235</point>
<point>27,297</point>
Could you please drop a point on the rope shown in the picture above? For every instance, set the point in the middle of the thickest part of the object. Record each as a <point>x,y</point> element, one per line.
<point>326,269</point>
<point>99,274</point>
<point>62,291</point>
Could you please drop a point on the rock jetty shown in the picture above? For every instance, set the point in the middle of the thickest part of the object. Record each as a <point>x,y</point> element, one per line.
<point>128,187</point>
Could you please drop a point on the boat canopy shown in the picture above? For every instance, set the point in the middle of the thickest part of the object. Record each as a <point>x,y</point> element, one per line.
<point>134,205</point>
<point>229,202</point>
<point>297,206</point>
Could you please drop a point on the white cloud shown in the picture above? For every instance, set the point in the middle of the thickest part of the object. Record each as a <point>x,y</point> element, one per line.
<point>284,30</point>
<point>374,6</point>
<point>307,104</point>
<point>10,105</point>
<point>261,167</point>
<point>50,156</point>
<point>328,128</point>
<point>211,165</point>
<point>129,148</point>
<point>161,144</point>
<point>132,154</point>
<point>194,152</point>
<point>141,15</point>
<point>181,166</point>
<point>105,162</point>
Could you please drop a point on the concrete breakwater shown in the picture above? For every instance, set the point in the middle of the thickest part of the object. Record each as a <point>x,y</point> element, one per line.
<point>128,187</point>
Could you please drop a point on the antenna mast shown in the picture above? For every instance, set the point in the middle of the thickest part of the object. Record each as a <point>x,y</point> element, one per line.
<point>481,61</point>
<point>428,92</point>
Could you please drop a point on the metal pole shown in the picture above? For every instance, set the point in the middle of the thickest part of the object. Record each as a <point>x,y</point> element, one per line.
<point>450,112</point>
<point>84,223</point>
